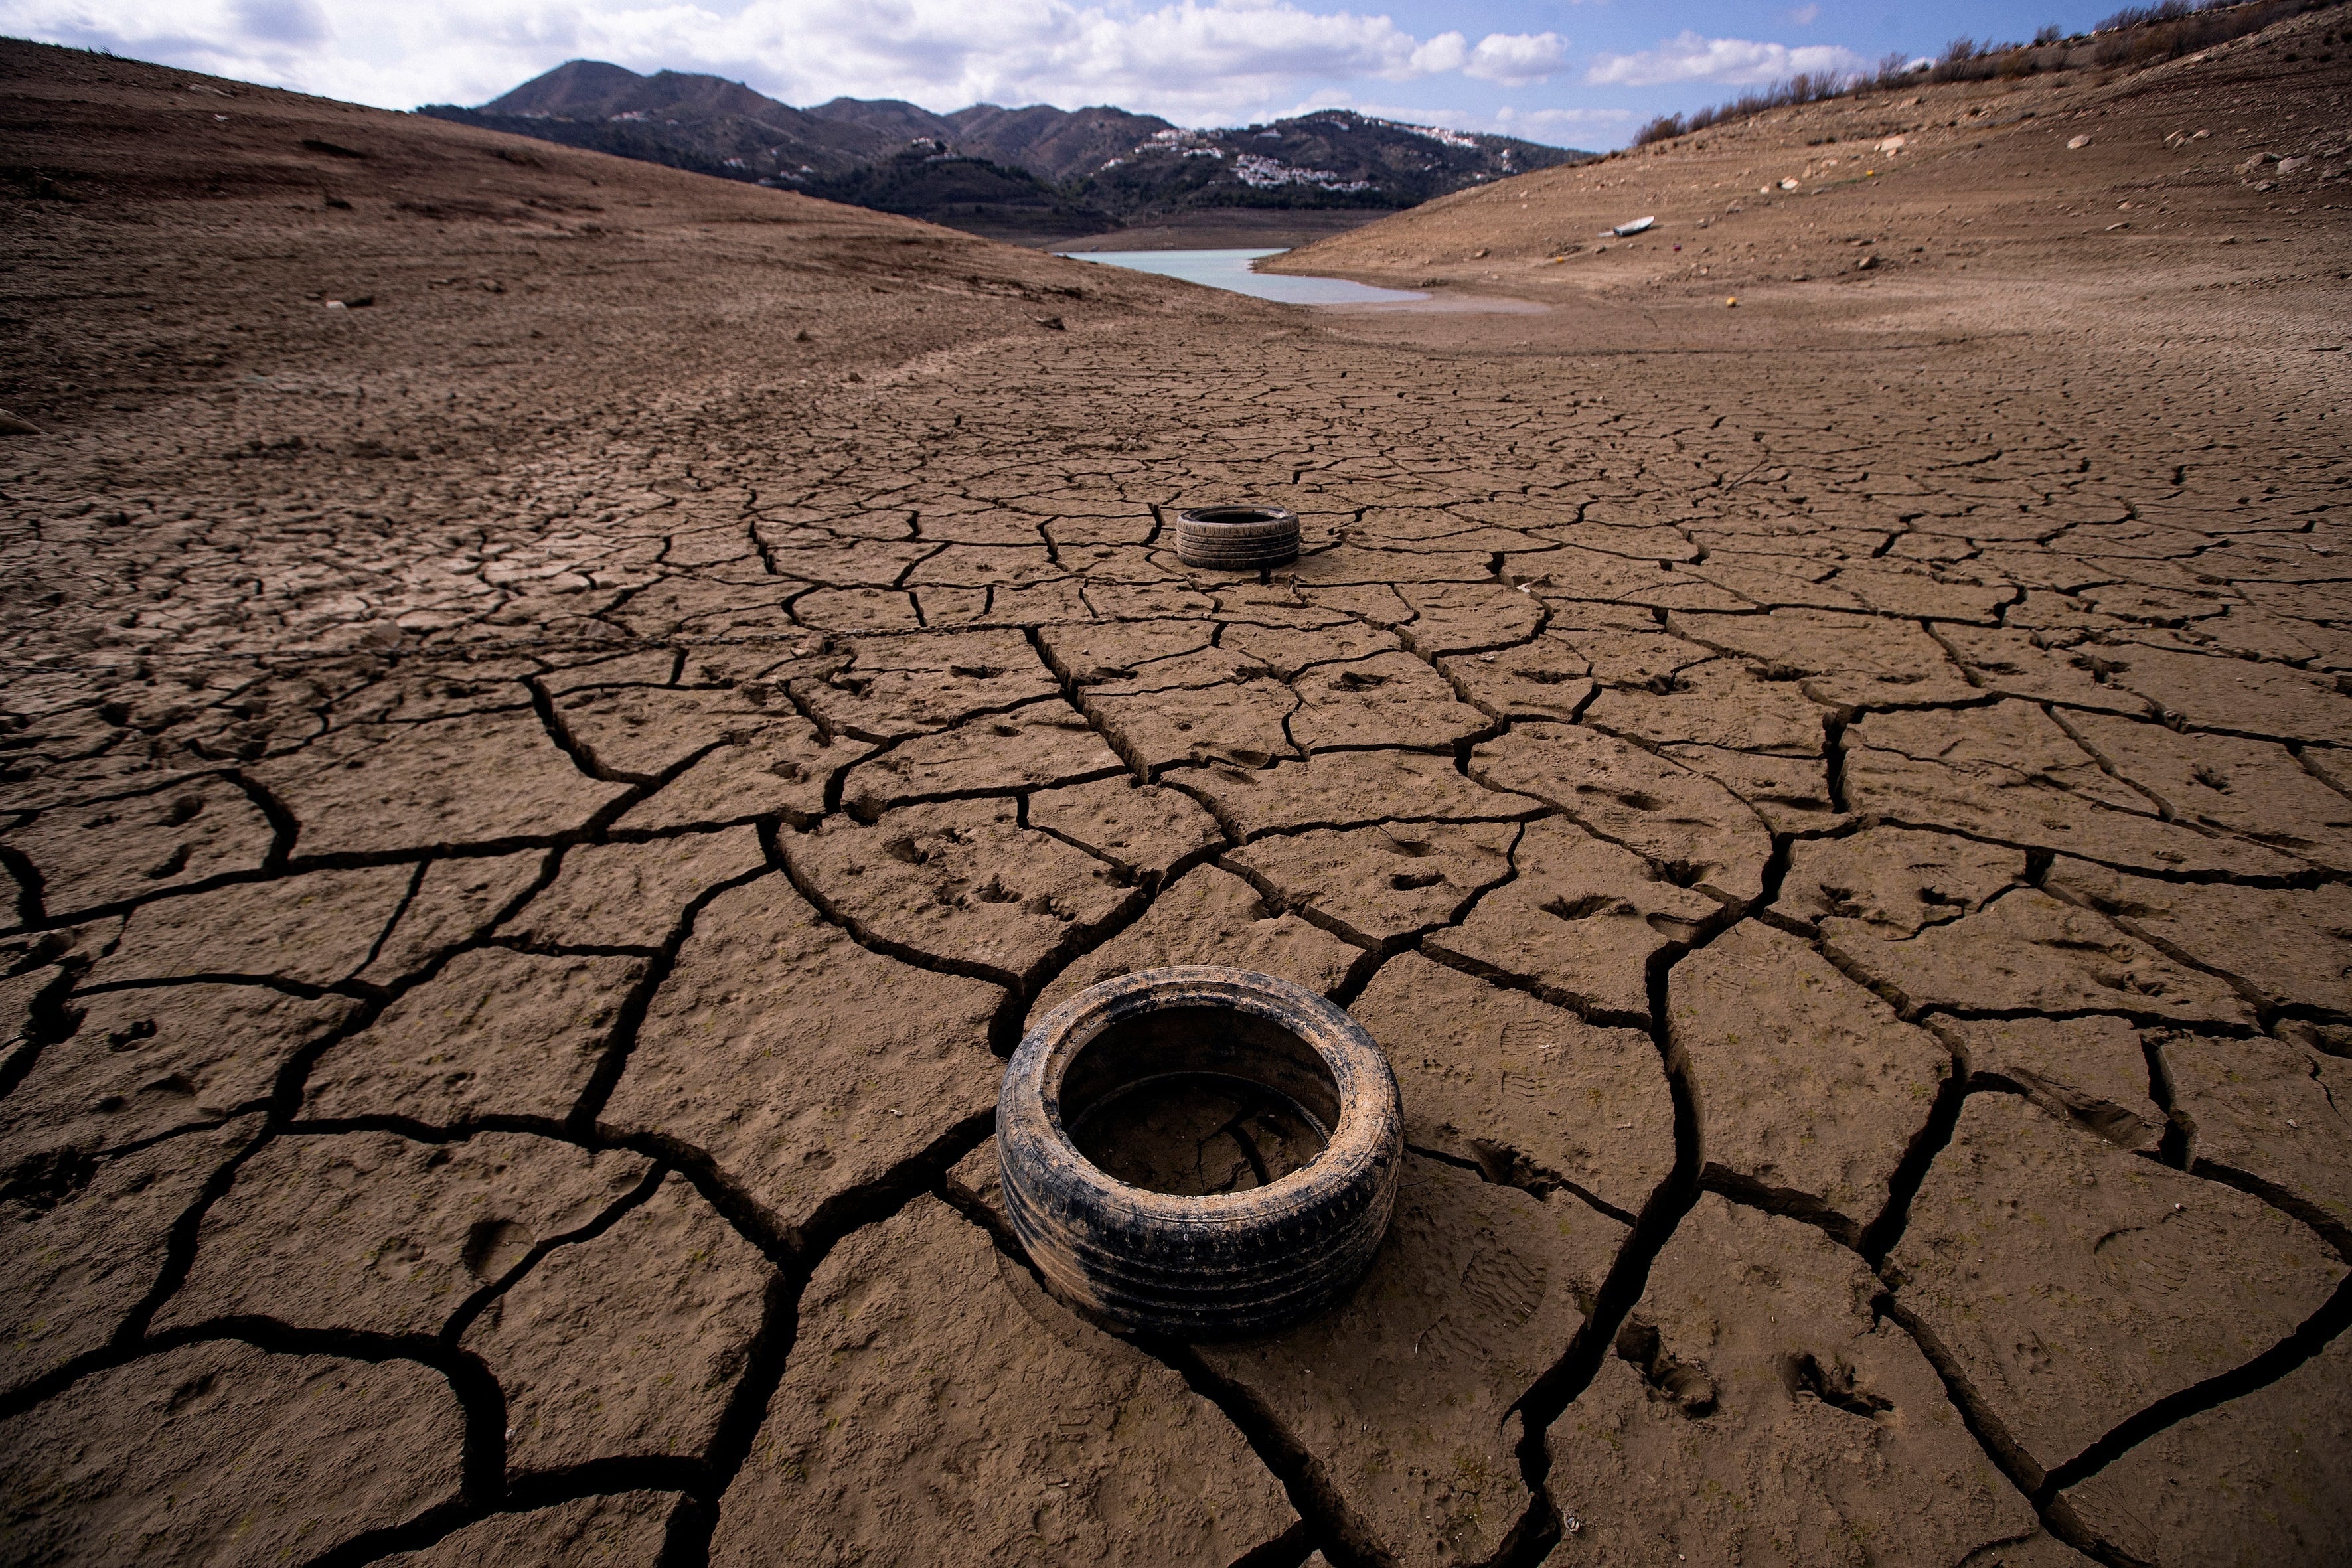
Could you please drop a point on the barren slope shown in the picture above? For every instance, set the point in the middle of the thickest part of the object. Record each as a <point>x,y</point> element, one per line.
<point>1963,208</point>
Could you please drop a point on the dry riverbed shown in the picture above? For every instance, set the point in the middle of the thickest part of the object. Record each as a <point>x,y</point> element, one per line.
<point>561,718</point>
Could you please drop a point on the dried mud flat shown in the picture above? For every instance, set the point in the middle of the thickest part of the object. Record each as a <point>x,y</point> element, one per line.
<point>537,803</point>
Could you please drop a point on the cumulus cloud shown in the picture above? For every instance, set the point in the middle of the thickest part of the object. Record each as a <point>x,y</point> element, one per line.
<point>1554,125</point>
<point>1193,61</point>
<point>1517,59</point>
<point>1737,62</point>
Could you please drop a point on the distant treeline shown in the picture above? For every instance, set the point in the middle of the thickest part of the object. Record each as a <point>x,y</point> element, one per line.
<point>2135,36</point>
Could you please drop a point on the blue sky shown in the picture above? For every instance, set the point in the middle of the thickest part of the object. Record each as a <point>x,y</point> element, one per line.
<point>1576,72</point>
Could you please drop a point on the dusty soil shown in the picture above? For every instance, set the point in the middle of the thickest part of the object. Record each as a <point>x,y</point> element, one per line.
<point>538,803</point>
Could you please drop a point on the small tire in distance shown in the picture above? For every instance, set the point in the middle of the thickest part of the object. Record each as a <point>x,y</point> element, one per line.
<point>1223,1264</point>
<point>1249,536</point>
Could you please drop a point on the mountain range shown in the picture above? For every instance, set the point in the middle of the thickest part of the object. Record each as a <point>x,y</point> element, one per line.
<point>1029,172</point>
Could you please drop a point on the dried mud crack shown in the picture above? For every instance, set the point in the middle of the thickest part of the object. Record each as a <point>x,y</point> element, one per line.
<point>534,811</point>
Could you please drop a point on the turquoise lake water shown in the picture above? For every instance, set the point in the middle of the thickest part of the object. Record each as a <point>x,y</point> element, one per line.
<point>1231,269</point>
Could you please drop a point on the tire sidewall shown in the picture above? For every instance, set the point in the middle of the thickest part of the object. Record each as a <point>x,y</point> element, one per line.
<point>1199,1266</point>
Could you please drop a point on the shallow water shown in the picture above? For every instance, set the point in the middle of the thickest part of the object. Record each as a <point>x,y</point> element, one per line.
<point>1230,269</point>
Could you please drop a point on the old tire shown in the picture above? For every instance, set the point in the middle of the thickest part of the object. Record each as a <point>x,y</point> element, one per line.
<point>1237,538</point>
<point>1225,1264</point>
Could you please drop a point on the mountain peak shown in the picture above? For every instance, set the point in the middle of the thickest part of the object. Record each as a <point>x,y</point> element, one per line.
<point>991,167</point>
<point>573,85</point>
<point>891,116</point>
<point>593,89</point>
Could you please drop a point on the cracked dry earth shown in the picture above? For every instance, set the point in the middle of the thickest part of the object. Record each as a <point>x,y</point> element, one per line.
<point>537,807</point>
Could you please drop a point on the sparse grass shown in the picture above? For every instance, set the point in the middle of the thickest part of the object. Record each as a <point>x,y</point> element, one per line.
<point>2135,36</point>
<point>2143,34</point>
<point>1797,88</point>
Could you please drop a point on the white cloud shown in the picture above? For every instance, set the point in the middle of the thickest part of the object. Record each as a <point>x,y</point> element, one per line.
<point>1560,126</point>
<point>1802,17</point>
<point>1193,61</point>
<point>1527,121</point>
<point>1517,59</point>
<point>1445,52</point>
<point>1737,62</point>
<point>1513,59</point>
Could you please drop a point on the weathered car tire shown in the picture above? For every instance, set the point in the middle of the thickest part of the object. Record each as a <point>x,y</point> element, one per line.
<point>1237,538</point>
<point>1225,1264</point>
